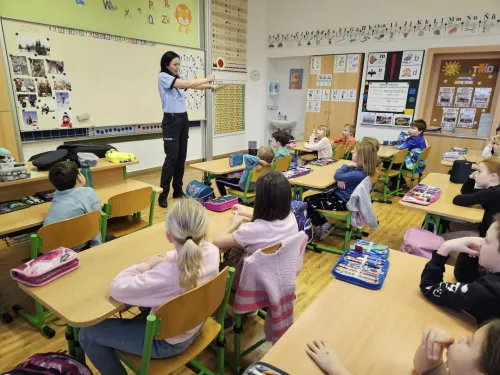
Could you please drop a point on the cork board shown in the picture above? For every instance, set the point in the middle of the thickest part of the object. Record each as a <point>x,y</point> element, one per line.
<point>464,91</point>
<point>230,109</point>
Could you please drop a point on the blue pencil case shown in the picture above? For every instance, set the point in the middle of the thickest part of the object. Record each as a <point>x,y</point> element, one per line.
<point>363,268</point>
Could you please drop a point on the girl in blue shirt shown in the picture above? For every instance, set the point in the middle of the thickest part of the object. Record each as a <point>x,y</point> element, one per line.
<point>348,177</point>
<point>175,124</point>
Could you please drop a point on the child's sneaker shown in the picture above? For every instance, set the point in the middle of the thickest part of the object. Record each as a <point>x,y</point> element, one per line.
<point>326,229</point>
<point>317,230</point>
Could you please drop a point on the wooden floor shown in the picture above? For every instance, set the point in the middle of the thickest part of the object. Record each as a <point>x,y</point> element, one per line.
<point>19,340</point>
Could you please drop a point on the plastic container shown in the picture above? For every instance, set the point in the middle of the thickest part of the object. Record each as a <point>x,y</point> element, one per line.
<point>87,159</point>
<point>13,171</point>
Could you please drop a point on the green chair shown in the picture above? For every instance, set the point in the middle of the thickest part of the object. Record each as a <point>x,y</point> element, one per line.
<point>282,164</point>
<point>179,315</point>
<point>411,172</point>
<point>124,211</point>
<point>338,153</point>
<point>387,174</point>
<point>349,151</point>
<point>253,176</point>
<point>68,233</point>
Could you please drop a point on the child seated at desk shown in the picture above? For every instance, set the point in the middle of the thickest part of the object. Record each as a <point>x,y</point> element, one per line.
<point>72,198</point>
<point>414,141</point>
<point>320,141</point>
<point>478,354</point>
<point>265,156</point>
<point>493,147</point>
<point>280,140</point>
<point>477,290</point>
<point>348,177</point>
<point>347,138</point>
<point>151,284</point>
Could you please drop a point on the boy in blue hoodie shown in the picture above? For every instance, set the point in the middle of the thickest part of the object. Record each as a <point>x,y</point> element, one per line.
<point>414,141</point>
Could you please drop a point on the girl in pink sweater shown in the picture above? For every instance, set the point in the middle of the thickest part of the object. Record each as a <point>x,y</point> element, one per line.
<point>151,284</point>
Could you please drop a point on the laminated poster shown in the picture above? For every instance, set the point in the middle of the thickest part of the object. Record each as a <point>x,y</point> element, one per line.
<point>384,119</point>
<point>481,97</point>
<point>377,59</point>
<point>351,96</point>
<point>466,118</point>
<point>317,106</point>
<point>450,116</point>
<point>368,118</point>
<point>326,95</point>
<point>315,65</point>
<point>334,97</point>
<point>317,94</point>
<point>402,120</point>
<point>445,96</point>
<point>339,64</point>
<point>387,96</point>
<point>464,96</point>
<point>375,73</point>
<point>352,64</point>
<point>310,94</point>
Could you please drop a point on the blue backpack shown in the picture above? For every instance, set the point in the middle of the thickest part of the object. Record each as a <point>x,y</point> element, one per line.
<point>299,209</point>
<point>199,191</point>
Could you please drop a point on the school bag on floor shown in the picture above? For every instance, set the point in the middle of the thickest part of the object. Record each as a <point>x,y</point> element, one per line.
<point>420,242</point>
<point>58,363</point>
<point>299,210</point>
<point>199,191</point>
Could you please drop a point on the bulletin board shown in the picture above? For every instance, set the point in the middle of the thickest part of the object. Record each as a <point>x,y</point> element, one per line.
<point>229,35</point>
<point>165,21</point>
<point>230,109</point>
<point>391,87</point>
<point>465,90</point>
<point>59,74</point>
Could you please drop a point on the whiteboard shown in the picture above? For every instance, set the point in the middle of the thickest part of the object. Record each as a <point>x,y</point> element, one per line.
<point>60,73</point>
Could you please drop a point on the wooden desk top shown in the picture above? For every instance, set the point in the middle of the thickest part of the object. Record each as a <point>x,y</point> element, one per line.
<point>217,167</point>
<point>386,152</point>
<point>321,177</point>
<point>36,175</point>
<point>373,332</point>
<point>444,205</point>
<point>99,265</point>
<point>33,216</point>
<point>475,156</point>
<point>300,147</point>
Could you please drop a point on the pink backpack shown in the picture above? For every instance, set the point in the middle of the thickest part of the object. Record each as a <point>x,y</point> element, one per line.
<point>420,242</point>
<point>58,363</point>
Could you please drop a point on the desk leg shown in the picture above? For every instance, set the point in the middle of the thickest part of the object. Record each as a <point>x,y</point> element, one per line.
<point>207,178</point>
<point>74,347</point>
<point>426,221</point>
<point>125,176</point>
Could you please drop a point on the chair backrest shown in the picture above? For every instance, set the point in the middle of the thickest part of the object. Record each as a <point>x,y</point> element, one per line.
<point>258,171</point>
<point>282,164</point>
<point>70,233</point>
<point>374,178</point>
<point>399,157</point>
<point>424,154</point>
<point>339,152</point>
<point>349,151</point>
<point>192,308</point>
<point>130,202</point>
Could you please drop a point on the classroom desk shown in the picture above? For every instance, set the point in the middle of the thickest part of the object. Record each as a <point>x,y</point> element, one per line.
<point>474,156</point>
<point>373,332</point>
<point>444,206</point>
<point>34,216</point>
<point>299,148</point>
<point>103,173</point>
<point>99,265</point>
<point>216,168</point>
<point>386,152</point>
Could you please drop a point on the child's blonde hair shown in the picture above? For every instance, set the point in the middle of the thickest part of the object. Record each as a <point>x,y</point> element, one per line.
<point>350,128</point>
<point>187,223</point>
<point>373,141</point>
<point>265,153</point>
<point>325,129</point>
<point>366,157</point>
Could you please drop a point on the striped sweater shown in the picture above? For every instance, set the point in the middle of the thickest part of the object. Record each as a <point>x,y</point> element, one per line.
<point>268,280</point>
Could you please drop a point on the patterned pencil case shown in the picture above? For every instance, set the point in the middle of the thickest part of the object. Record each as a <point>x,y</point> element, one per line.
<point>46,267</point>
<point>235,160</point>
<point>361,268</point>
<point>262,368</point>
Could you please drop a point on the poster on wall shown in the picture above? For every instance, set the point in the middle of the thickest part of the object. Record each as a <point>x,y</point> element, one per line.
<point>368,118</point>
<point>326,95</point>
<point>352,64</point>
<point>30,120</point>
<point>450,117</point>
<point>384,119</point>
<point>402,120</point>
<point>387,96</point>
<point>464,96</point>
<point>481,97</point>
<point>377,59</point>
<point>445,96</point>
<point>334,97</point>
<point>318,93</point>
<point>313,106</point>
<point>339,64</point>
<point>315,65</point>
<point>351,96</point>
<point>310,94</point>
<point>295,79</point>
<point>375,74</point>
<point>466,118</point>
<point>324,80</point>
<point>410,72</point>
<point>411,65</point>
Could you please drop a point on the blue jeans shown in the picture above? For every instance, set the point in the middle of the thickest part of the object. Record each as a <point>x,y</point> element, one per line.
<point>127,335</point>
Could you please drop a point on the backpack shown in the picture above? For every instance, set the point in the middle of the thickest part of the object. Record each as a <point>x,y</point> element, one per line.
<point>299,209</point>
<point>460,171</point>
<point>199,191</point>
<point>75,148</point>
<point>58,363</point>
<point>46,160</point>
<point>420,242</point>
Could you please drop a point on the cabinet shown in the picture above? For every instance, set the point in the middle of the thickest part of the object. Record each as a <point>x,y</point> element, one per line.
<point>334,114</point>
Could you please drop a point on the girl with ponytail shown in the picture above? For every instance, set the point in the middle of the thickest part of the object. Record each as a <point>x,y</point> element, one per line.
<point>152,283</point>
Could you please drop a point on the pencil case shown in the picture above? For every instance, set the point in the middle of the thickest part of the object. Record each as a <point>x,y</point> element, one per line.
<point>262,368</point>
<point>46,267</point>
<point>13,171</point>
<point>116,157</point>
<point>235,160</point>
<point>371,248</point>
<point>221,204</point>
<point>87,159</point>
<point>361,268</point>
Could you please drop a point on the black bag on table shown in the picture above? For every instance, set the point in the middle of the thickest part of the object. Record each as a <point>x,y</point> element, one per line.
<point>75,148</point>
<point>45,160</point>
<point>460,171</point>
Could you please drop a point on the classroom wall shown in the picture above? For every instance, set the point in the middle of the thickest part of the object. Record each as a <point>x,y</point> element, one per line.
<point>295,15</point>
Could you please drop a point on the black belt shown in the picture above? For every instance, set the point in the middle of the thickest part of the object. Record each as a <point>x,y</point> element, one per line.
<point>175,114</point>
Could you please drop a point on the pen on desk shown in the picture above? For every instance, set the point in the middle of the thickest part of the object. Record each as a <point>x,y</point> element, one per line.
<point>255,372</point>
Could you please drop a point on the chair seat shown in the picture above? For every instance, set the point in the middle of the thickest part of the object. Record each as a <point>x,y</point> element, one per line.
<point>308,157</point>
<point>391,173</point>
<point>240,194</point>
<point>166,366</point>
<point>121,226</point>
<point>308,193</point>
<point>342,214</point>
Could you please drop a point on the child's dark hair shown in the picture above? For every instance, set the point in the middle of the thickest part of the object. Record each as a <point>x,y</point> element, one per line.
<point>489,359</point>
<point>63,175</point>
<point>421,125</point>
<point>498,129</point>
<point>273,197</point>
<point>282,137</point>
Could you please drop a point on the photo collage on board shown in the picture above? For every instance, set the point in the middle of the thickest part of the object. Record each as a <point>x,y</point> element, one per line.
<point>41,86</point>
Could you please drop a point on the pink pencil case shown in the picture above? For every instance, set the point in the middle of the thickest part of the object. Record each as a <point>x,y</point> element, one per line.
<point>222,203</point>
<point>46,267</point>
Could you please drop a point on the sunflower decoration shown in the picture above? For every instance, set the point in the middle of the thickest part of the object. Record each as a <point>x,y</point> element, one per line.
<point>451,68</point>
